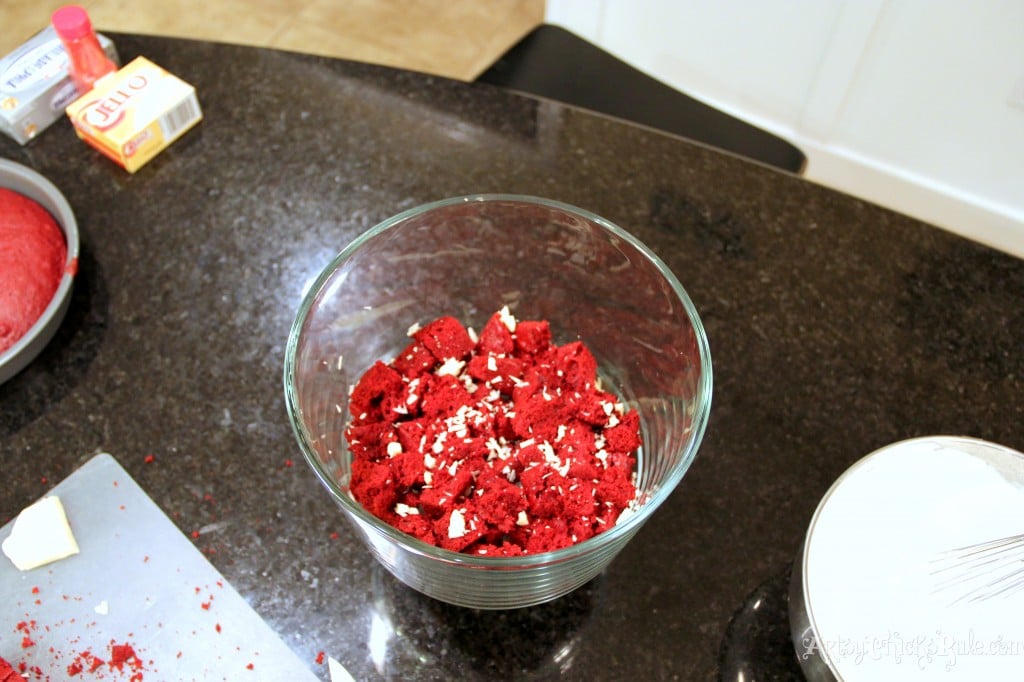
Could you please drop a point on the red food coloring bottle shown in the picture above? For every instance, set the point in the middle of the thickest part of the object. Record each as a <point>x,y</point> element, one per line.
<point>87,60</point>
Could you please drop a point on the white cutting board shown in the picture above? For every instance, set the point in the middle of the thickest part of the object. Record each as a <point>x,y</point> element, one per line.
<point>152,583</point>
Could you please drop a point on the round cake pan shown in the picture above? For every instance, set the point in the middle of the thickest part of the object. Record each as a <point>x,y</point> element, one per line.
<point>31,184</point>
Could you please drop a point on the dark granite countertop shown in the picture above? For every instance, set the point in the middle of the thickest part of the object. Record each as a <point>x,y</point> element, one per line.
<point>835,326</point>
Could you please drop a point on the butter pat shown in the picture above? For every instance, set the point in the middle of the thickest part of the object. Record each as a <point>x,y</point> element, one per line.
<point>132,115</point>
<point>35,87</point>
<point>338,672</point>
<point>40,535</point>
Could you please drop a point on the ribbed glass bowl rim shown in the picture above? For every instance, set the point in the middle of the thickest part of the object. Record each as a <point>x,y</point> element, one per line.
<point>416,546</point>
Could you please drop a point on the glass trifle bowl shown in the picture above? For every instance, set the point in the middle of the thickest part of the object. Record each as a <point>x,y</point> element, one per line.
<point>467,257</point>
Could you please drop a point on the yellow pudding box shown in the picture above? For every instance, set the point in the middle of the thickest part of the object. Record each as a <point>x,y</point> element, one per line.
<point>134,114</point>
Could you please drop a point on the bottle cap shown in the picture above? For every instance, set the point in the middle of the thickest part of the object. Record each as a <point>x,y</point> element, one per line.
<point>71,22</point>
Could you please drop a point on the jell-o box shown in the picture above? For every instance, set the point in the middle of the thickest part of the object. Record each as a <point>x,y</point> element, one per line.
<point>134,114</point>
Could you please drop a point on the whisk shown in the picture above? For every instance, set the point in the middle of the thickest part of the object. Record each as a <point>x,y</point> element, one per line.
<point>981,571</point>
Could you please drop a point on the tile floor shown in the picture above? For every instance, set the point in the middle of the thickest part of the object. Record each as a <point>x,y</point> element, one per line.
<point>454,38</point>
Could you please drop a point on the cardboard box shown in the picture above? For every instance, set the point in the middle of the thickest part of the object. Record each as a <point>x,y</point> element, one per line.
<point>134,114</point>
<point>35,87</point>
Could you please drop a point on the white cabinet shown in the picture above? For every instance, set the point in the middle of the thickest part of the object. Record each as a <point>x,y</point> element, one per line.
<point>907,103</point>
